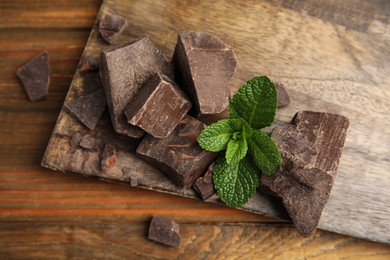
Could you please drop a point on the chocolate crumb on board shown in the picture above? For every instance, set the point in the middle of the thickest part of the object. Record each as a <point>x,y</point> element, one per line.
<point>111,26</point>
<point>311,149</point>
<point>89,63</point>
<point>165,231</point>
<point>35,76</point>
<point>75,140</point>
<point>88,143</point>
<point>108,157</point>
<point>158,106</point>
<point>88,109</point>
<point>283,96</point>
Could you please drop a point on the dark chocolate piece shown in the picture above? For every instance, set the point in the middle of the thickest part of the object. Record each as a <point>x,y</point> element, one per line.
<point>203,66</point>
<point>124,70</point>
<point>88,143</point>
<point>35,76</point>
<point>111,26</point>
<point>88,109</point>
<point>283,96</point>
<point>165,231</point>
<point>178,155</point>
<point>204,185</point>
<point>108,157</point>
<point>89,63</point>
<point>158,107</point>
<point>311,149</point>
<point>76,139</point>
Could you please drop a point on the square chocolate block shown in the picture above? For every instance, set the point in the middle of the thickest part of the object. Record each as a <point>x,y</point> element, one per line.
<point>203,66</point>
<point>124,70</point>
<point>158,107</point>
<point>179,156</point>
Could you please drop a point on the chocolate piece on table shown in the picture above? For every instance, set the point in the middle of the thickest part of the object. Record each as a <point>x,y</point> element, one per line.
<point>165,231</point>
<point>35,76</point>
<point>204,185</point>
<point>108,157</point>
<point>124,70</point>
<point>311,149</point>
<point>178,155</point>
<point>158,107</point>
<point>88,109</point>
<point>283,96</point>
<point>203,66</point>
<point>89,63</point>
<point>111,26</point>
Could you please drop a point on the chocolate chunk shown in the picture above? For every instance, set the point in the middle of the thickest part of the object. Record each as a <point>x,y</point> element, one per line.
<point>311,149</point>
<point>164,231</point>
<point>204,185</point>
<point>35,76</point>
<point>108,157</point>
<point>203,66</point>
<point>178,155</point>
<point>124,70</point>
<point>76,139</point>
<point>158,107</point>
<point>88,143</point>
<point>283,96</point>
<point>89,63</point>
<point>88,109</point>
<point>111,26</point>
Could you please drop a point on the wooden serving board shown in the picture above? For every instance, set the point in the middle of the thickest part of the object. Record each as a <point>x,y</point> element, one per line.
<point>328,64</point>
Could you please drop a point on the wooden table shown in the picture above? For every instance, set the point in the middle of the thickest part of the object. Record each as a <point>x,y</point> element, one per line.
<point>47,214</point>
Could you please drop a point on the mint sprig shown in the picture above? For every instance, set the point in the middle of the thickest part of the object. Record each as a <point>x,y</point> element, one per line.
<point>236,172</point>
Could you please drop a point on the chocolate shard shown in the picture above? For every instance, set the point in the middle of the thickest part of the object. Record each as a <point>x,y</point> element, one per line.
<point>311,149</point>
<point>111,26</point>
<point>75,140</point>
<point>89,63</point>
<point>203,66</point>
<point>124,70</point>
<point>204,185</point>
<point>88,109</point>
<point>178,155</point>
<point>158,107</point>
<point>165,231</point>
<point>35,76</point>
<point>283,96</point>
<point>88,143</point>
<point>108,157</point>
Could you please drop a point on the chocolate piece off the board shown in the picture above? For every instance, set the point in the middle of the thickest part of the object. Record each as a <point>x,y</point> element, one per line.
<point>203,66</point>
<point>35,76</point>
<point>124,70</point>
<point>165,231</point>
<point>158,107</point>
<point>179,156</point>
<point>311,149</point>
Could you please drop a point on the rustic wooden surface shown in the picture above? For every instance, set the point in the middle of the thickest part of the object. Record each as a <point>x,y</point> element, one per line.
<point>45,213</point>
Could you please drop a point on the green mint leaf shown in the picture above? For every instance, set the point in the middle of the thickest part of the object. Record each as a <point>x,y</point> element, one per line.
<point>235,183</point>
<point>264,152</point>
<point>256,102</point>
<point>215,137</point>
<point>236,149</point>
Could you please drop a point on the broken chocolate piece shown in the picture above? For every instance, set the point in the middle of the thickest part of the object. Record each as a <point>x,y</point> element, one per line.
<point>88,109</point>
<point>88,143</point>
<point>35,76</point>
<point>76,139</point>
<point>311,149</point>
<point>89,63</point>
<point>108,157</point>
<point>204,185</point>
<point>111,26</point>
<point>178,155</point>
<point>124,70</point>
<point>283,96</point>
<point>203,66</point>
<point>158,107</point>
<point>165,231</point>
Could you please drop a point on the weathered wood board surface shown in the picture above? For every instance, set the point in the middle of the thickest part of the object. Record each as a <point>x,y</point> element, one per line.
<point>327,63</point>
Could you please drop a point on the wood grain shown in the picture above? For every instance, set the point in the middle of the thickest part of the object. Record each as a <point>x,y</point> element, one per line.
<point>47,214</point>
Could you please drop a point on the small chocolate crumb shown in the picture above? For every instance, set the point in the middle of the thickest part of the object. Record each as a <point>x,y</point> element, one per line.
<point>88,143</point>
<point>283,96</point>
<point>76,139</point>
<point>89,63</point>
<point>108,157</point>
<point>204,185</point>
<point>111,26</point>
<point>35,76</point>
<point>165,231</point>
<point>133,180</point>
